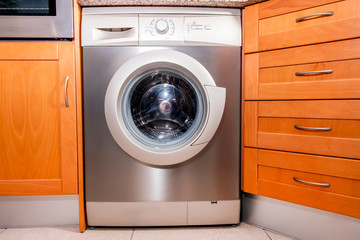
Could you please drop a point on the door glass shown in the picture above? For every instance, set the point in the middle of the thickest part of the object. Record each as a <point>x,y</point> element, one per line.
<point>28,7</point>
<point>163,108</point>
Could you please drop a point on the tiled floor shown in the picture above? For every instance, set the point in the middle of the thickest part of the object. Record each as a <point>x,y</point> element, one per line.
<point>241,232</point>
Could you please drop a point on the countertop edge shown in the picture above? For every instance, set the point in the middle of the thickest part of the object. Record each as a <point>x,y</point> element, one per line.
<point>168,3</point>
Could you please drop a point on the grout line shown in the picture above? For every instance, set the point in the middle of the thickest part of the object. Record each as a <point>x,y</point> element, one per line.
<point>267,234</point>
<point>132,234</point>
<point>2,230</point>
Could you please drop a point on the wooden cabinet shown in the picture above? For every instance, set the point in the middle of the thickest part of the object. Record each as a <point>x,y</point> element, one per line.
<point>282,24</point>
<point>302,103</point>
<point>38,139</point>
<point>315,127</point>
<point>320,71</point>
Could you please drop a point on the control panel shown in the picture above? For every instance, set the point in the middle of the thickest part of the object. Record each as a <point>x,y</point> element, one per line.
<point>167,29</point>
<point>160,29</point>
<point>189,30</point>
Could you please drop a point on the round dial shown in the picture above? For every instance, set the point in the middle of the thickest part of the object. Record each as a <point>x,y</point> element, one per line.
<point>162,26</point>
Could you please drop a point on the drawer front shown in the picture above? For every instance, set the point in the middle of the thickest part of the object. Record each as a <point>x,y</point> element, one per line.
<point>328,201</point>
<point>330,22</point>
<point>304,129</point>
<point>327,80</point>
<point>327,128</point>
<point>322,71</point>
<point>318,182</point>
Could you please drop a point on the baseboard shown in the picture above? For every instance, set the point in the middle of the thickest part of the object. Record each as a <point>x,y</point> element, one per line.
<point>36,211</point>
<point>298,221</point>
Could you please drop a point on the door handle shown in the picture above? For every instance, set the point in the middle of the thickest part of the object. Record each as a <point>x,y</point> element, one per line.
<point>328,71</point>
<point>66,99</point>
<point>330,13</point>
<point>312,183</point>
<point>312,128</point>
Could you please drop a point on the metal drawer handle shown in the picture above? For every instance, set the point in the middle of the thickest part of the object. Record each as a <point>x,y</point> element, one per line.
<point>329,71</point>
<point>66,99</point>
<point>312,128</point>
<point>312,183</point>
<point>330,13</point>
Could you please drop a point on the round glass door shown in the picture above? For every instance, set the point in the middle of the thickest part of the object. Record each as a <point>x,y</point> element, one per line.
<point>163,108</point>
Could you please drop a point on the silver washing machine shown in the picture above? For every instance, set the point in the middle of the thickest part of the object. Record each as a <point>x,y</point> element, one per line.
<point>161,116</point>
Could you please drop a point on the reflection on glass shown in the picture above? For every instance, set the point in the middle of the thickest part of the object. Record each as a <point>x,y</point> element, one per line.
<point>27,7</point>
<point>165,108</point>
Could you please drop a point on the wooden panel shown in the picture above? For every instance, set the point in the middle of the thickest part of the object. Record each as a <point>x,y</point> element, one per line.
<point>342,70</point>
<point>78,87</point>
<point>340,128</point>
<point>345,29</point>
<point>30,187</point>
<point>344,89</point>
<point>282,83</point>
<point>250,174</point>
<point>283,31</point>
<point>309,197</point>
<point>68,120</point>
<point>251,28</point>
<point>328,146</point>
<point>338,185</point>
<point>342,10</point>
<point>27,51</point>
<point>29,120</point>
<point>339,167</point>
<point>250,124</point>
<point>334,51</point>
<point>251,72</point>
<point>344,109</point>
<point>278,7</point>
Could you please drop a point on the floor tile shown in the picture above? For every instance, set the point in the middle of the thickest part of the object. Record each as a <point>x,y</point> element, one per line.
<point>243,232</point>
<point>2,229</point>
<point>65,234</point>
<point>275,236</point>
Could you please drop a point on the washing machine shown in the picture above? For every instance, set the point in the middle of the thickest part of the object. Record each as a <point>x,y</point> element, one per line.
<point>161,90</point>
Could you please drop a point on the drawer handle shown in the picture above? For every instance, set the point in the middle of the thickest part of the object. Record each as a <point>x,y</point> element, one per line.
<point>330,13</point>
<point>328,71</point>
<point>66,99</point>
<point>311,183</point>
<point>312,128</point>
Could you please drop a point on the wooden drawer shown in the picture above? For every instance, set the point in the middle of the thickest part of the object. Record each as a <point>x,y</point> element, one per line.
<point>335,21</point>
<point>276,172</point>
<point>328,201</point>
<point>343,186</point>
<point>293,73</point>
<point>280,125</point>
<point>270,173</point>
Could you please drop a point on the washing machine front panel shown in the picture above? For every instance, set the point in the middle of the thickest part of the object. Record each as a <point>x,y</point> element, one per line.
<point>112,175</point>
<point>162,107</point>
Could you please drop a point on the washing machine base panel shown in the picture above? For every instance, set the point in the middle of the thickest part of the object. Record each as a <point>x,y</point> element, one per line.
<point>163,213</point>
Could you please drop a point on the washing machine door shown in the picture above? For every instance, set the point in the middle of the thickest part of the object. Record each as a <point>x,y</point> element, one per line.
<point>162,107</point>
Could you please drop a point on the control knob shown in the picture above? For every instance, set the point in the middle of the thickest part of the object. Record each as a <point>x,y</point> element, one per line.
<point>161,26</point>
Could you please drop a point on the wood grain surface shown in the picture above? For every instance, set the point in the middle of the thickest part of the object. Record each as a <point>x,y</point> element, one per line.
<point>344,186</point>
<point>340,167</point>
<point>279,7</point>
<point>30,120</point>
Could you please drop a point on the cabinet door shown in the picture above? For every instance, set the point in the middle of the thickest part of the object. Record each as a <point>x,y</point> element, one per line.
<point>37,131</point>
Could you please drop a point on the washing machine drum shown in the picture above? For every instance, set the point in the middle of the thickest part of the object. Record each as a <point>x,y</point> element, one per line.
<point>162,107</point>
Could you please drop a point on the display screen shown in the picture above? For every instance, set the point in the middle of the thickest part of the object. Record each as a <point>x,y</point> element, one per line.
<point>28,7</point>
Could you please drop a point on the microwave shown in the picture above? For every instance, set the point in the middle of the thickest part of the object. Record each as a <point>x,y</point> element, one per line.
<point>36,19</point>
